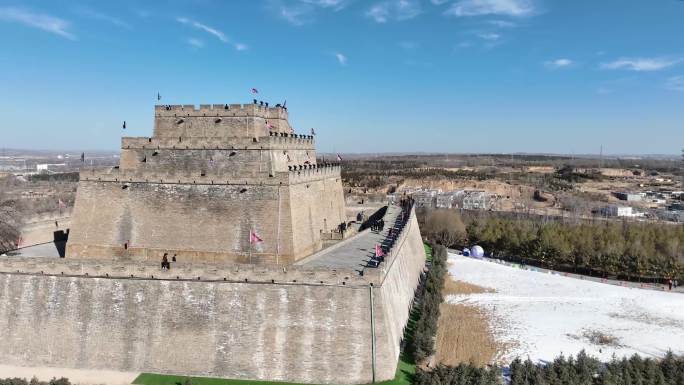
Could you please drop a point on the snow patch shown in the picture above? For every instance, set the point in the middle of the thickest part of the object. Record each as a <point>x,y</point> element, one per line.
<point>540,315</point>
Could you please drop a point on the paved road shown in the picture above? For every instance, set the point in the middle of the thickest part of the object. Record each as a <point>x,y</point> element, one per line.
<point>51,249</point>
<point>355,252</point>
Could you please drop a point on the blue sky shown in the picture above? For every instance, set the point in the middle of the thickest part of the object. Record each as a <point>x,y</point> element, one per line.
<point>371,76</point>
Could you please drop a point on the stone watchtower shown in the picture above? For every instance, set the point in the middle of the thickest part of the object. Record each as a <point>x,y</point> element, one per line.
<point>202,183</point>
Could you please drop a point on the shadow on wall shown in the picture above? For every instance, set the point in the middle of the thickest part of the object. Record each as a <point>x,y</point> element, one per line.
<point>60,238</point>
<point>373,218</point>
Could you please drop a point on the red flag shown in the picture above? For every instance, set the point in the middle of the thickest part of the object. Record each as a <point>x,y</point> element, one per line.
<point>254,238</point>
<point>269,125</point>
<point>255,91</point>
<point>339,158</point>
<point>378,251</point>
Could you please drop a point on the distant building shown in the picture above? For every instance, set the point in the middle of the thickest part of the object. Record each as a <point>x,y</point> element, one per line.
<point>472,200</point>
<point>445,200</point>
<point>621,211</point>
<point>45,168</point>
<point>629,196</point>
<point>426,198</point>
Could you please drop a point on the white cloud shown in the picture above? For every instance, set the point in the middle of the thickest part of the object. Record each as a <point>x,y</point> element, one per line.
<point>197,43</point>
<point>99,16</point>
<point>212,31</point>
<point>640,64</point>
<point>42,21</point>
<point>394,10</point>
<point>336,5</point>
<point>218,34</point>
<point>341,58</point>
<point>297,15</point>
<point>675,83</point>
<point>559,63</point>
<point>502,23</point>
<point>513,8</point>
<point>489,36</point>
<point>438,2</point>
<point>301,12</point>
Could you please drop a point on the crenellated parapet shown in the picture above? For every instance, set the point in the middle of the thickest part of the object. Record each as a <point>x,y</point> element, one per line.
<point>221,110</point>
<point>296,174</point>
<point>208,178</point>
<point>148,270</point>
<point>274,141</point>
<point>307,173</point>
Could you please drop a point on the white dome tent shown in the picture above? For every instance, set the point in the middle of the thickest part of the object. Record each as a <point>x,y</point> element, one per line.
<point>477,251</point>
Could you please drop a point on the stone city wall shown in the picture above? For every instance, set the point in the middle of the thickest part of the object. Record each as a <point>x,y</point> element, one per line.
<point>271,323</point>
<point>206,220</point>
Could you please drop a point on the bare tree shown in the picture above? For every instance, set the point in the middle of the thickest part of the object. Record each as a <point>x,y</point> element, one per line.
<point>445,227</point>
<point>10,224</point>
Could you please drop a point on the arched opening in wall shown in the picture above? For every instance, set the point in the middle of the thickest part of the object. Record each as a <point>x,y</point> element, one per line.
<point>217,120</point>
<point>232,153</point>
<point>155,153</point>
<point>203,173</point>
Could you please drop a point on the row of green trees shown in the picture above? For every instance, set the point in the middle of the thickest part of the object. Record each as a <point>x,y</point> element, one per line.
<point>580,370</point>
<point>429,297</point>
<point>628,250</point>
<point>462,374</point>
<point>586,370</point>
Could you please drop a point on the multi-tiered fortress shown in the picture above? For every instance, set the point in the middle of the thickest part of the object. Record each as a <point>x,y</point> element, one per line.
<point>207,178</point>
<point>284,308</point>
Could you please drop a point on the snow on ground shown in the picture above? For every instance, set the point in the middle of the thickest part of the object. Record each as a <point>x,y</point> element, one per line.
<point>540,315</point>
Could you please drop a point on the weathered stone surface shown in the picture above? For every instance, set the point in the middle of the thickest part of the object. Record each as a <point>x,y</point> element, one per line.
<point>289,331</point>
<point>227,308</point>
<point>208,177</point>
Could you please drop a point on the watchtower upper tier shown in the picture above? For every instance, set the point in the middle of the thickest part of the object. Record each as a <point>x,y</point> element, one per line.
<point>219,121</point>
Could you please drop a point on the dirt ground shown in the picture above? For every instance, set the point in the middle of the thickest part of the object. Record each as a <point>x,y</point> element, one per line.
<point>463,333</point>
<point>76,376</point>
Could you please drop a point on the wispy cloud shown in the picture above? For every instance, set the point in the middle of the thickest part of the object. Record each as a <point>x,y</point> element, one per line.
<point>489,36</point>
<point>438,2</point>
<point>197,43</point>
<point>675,83</point>
<point>342,59</point>
<point>513,8</point>
<point>394,10</point>
<point>301,12</point>
<point>501,23</point>
<point>212,31</point>
<point>297,15</point>
<point>641,64</point>
<point>99,16</point>
<point>41,21</point>
<point>336,5</point>
<point>558,63</point>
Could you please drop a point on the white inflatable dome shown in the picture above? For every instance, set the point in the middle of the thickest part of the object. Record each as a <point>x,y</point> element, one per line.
<point>477,252</point>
